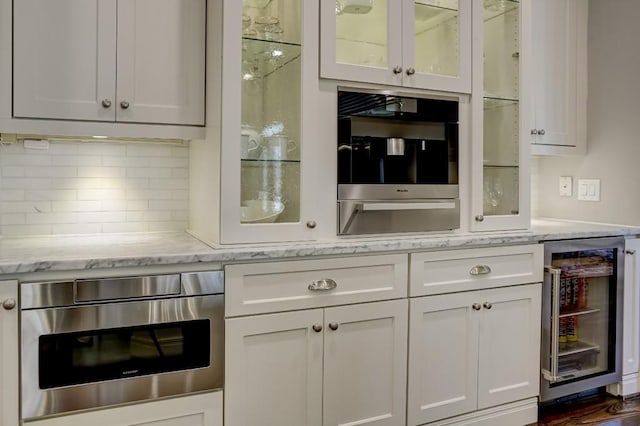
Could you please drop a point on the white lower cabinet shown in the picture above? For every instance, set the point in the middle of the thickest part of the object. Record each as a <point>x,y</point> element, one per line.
<point>194,410</point>
<point>474,350</point>
<point>342,365</point>
<point>9,380</point>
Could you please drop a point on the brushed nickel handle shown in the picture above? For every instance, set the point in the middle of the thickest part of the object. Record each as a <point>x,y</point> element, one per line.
<point>124,105</point>
<point>9,304</point>
<point>317,328</point>
<point>411,71</point>
<point>480,270</point>
<point>630,252</point>
<point>534,131</point>
<point>541,132</point>
<point>311,224</point>
<point>551,375</point>
<point>397,69</point>
<point>333,326</point>
<point>479,218</point>
<point>476,306</point>
<point>325,284</point>
<point>106,103</point>
<point>487,305</point>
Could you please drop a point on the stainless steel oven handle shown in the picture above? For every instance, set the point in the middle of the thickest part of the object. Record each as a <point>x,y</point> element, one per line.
<point>405,206</point>
<point>552,374</point>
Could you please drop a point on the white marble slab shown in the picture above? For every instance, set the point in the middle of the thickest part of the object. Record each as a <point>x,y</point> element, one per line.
<point>42,254</point>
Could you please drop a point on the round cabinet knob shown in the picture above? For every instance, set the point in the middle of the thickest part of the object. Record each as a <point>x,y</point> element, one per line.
<point>534,131</point>
<point>317,328</point>
<point>487,305</point>
<point>479,218</point>
<point>333,326</point>
<point>541,132</point>
<point>476,306</point>
<point>124,104</point>
<point>411,71</point>
<point>397,69</point>
<point>311,224</point>
<point>9,304</point>
<point>106,103</point>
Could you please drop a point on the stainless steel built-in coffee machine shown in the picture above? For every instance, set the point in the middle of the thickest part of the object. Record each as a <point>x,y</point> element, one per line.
<point>397,163</point>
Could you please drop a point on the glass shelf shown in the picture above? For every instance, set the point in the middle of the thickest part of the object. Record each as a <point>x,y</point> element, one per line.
<point>578,347</point>
<point>581,311</point>
<point>260,58</point>
<point>492,102</point>
<point>256,161</point>
<point>430,16</point>
<point>496,8</point>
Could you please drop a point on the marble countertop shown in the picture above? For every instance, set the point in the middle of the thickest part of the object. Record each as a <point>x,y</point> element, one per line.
<point>61,253</point>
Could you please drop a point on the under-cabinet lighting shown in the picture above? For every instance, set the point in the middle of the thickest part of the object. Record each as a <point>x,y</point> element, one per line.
<point>14,138</point>
<point>99,137</point>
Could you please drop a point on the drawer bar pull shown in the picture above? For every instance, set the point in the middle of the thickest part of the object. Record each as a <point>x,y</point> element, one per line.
<point>480,270</point>
<point>325,284</point>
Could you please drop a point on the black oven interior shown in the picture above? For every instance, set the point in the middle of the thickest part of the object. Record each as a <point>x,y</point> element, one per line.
<point>388,139</point>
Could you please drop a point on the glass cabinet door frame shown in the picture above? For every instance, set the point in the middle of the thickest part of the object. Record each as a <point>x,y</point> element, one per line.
<point>479,221</point>
<point>231,229</point>
<point>400,51</point>
<point>460,83</point>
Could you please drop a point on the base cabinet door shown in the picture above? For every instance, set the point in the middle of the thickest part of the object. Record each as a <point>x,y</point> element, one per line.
<point>195,410</point>
<point>473,350</point>
<point>509,345</point>
<point>443,357</point>
<point>334,366</point>
<point>9,389</point>
<point>273,369</point>
<point>365,364</point>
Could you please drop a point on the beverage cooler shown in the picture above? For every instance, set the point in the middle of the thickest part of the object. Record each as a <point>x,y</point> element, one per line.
<point>581,316</point>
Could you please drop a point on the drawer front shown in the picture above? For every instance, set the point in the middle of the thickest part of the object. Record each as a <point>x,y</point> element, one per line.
<point>255,288</point>
<point>471,269</point>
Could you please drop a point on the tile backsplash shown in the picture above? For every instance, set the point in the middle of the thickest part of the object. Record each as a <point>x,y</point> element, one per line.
<point>88,187</point>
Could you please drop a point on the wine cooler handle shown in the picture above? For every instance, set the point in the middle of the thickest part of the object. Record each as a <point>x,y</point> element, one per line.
<point>552,375</point>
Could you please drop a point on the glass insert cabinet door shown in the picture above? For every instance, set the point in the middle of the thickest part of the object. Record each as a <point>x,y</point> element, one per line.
<point>270,128</point>
<point>407,42</point>
<point>502,204</point>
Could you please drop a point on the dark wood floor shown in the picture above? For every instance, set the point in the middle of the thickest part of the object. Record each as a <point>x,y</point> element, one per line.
<point>602,410</point>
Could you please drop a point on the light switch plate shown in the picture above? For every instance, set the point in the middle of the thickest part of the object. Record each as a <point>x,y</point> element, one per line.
<point>566,186</point>
<point>589,189</point>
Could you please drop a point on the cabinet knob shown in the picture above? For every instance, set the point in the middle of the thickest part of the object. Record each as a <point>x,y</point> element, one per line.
<point>630,252</point>
<point>317,328</point>
<point>9,304</point>
<point>476,306</point>
<point>124,104</point>
<point>541,132</point>
<point>311,224</point>
<point>324,284</point>
<point>333,326</point>
<point>397,69</point>
<point>479,218</point>
<point>106,103</point>
<point>487,305</point>
<point>534,131</point>
<point>480,270</point>
<point>411,71</point>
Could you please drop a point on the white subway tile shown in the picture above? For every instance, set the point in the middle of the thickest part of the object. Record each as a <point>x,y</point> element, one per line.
<point>25,159</point>
<point>11,171</point>
<point>180,194</point>
<point>148,150</point>
<point>50,194</point>
<point>167,205</point>
<point>25,207</point>
<point>148,172</point>
<point>21,230</point>
<point>77,228</point>
<point>13,219</point>
<point>101,217</point>
<point>150,194</point>
<point>101,194</point>
<point>169,183</point>
<point>76,160</point>
<point>101,172</point>
<point>113,205</point>
<point>167,226</point>
<point>180,151</point>
<point>76,206</point>
<point>104,149</point>
<point>148,216</point>
<point>156,162</point>
<point>180,173</point>
<point>60,148</point>
<point>181,215</point>
<point>51,172</point>
<point>50,218</point>
<point>10,194</point>
<point>125,227</point>
<point>137,205</point>
<point>25,183</point>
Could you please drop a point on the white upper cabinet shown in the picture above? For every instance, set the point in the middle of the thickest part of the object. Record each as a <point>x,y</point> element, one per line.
<point>560,77</point>
<point>138,61</point>
<point>500,116</point>
<point>413,43</point>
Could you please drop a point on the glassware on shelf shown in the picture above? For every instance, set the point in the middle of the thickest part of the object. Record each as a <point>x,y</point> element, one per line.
<point>264,24</point>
